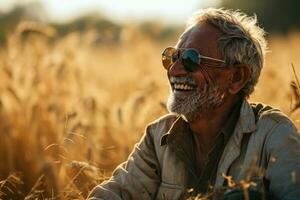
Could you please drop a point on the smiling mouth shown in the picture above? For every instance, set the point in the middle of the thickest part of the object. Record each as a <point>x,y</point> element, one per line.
<point>183,87</point>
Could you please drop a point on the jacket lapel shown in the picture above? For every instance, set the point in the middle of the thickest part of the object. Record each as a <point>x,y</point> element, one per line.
<point>245,124</point>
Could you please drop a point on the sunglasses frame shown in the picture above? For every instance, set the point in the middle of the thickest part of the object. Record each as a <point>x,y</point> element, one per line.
<point>187,68</point>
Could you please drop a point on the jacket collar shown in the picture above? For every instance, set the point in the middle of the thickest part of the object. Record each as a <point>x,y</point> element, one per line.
<point>246,120</point>
<point>245,124</point>
<point>176,131</point>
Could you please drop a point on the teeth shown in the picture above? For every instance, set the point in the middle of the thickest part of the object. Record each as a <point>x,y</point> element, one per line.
<point>182,86</point>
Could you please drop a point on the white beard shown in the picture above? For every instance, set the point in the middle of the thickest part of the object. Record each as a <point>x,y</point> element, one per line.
<point>202,100</point>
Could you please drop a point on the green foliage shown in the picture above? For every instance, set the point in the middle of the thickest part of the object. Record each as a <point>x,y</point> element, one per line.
<point>273,15</point>
<point>105,29</point>
<point>9,20</point>
<point>91,22</point>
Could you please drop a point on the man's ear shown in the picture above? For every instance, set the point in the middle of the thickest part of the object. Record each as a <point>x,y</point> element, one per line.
<point>240,77</point>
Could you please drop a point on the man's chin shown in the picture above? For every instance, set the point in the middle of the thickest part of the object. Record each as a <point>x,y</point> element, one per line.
<point>189,111</point>
<point>178,108</point>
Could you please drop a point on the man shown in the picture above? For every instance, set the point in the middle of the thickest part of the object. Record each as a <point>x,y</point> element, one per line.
<point>212,132</point>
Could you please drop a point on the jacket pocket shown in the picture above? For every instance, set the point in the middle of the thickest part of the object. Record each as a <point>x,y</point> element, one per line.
<point>168,191</point>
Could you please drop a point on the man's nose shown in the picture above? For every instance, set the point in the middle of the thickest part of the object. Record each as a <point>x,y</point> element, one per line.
<point>177,69</point>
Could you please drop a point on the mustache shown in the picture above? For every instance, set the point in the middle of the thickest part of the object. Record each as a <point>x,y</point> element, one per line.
<point>186,80</point>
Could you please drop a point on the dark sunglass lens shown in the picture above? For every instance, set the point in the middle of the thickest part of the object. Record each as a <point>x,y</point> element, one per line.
<point>190,60</point>
<point>167,57</point>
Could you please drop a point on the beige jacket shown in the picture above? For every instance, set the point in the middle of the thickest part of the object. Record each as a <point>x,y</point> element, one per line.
<point>154,171</point>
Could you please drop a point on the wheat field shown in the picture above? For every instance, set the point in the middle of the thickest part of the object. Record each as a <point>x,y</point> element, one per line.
<point>71,111</point>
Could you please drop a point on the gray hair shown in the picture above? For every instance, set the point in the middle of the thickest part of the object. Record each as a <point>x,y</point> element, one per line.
<point>242,42</point>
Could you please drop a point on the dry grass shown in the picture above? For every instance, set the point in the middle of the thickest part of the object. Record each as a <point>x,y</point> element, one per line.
<point>71,111</point>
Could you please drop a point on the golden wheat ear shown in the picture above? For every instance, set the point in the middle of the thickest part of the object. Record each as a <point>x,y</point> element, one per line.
<point>295,86</point>
<point>296,95</point>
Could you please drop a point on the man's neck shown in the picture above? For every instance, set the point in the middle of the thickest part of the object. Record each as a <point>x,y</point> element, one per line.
<point>207,126</point>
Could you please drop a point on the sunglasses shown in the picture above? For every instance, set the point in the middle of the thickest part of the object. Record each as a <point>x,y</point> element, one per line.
<point>190,58</point>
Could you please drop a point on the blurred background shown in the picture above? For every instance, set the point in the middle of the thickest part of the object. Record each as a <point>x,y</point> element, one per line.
<point>81,79</point>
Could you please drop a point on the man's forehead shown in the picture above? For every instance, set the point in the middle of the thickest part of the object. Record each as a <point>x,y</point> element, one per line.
<point>203,37</point>
<point>187,35</point>
<point>201,29</point>
<point>189,30</point>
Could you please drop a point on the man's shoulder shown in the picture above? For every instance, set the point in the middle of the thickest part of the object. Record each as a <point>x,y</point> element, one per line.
<point>272,121</point>
<point>264,112</point>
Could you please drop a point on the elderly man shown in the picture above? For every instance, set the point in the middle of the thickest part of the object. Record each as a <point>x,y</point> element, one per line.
<point>212,132</point>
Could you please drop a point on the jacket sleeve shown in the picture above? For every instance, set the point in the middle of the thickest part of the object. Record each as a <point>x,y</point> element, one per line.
<point>137,178</point>
<point>283,170</point>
